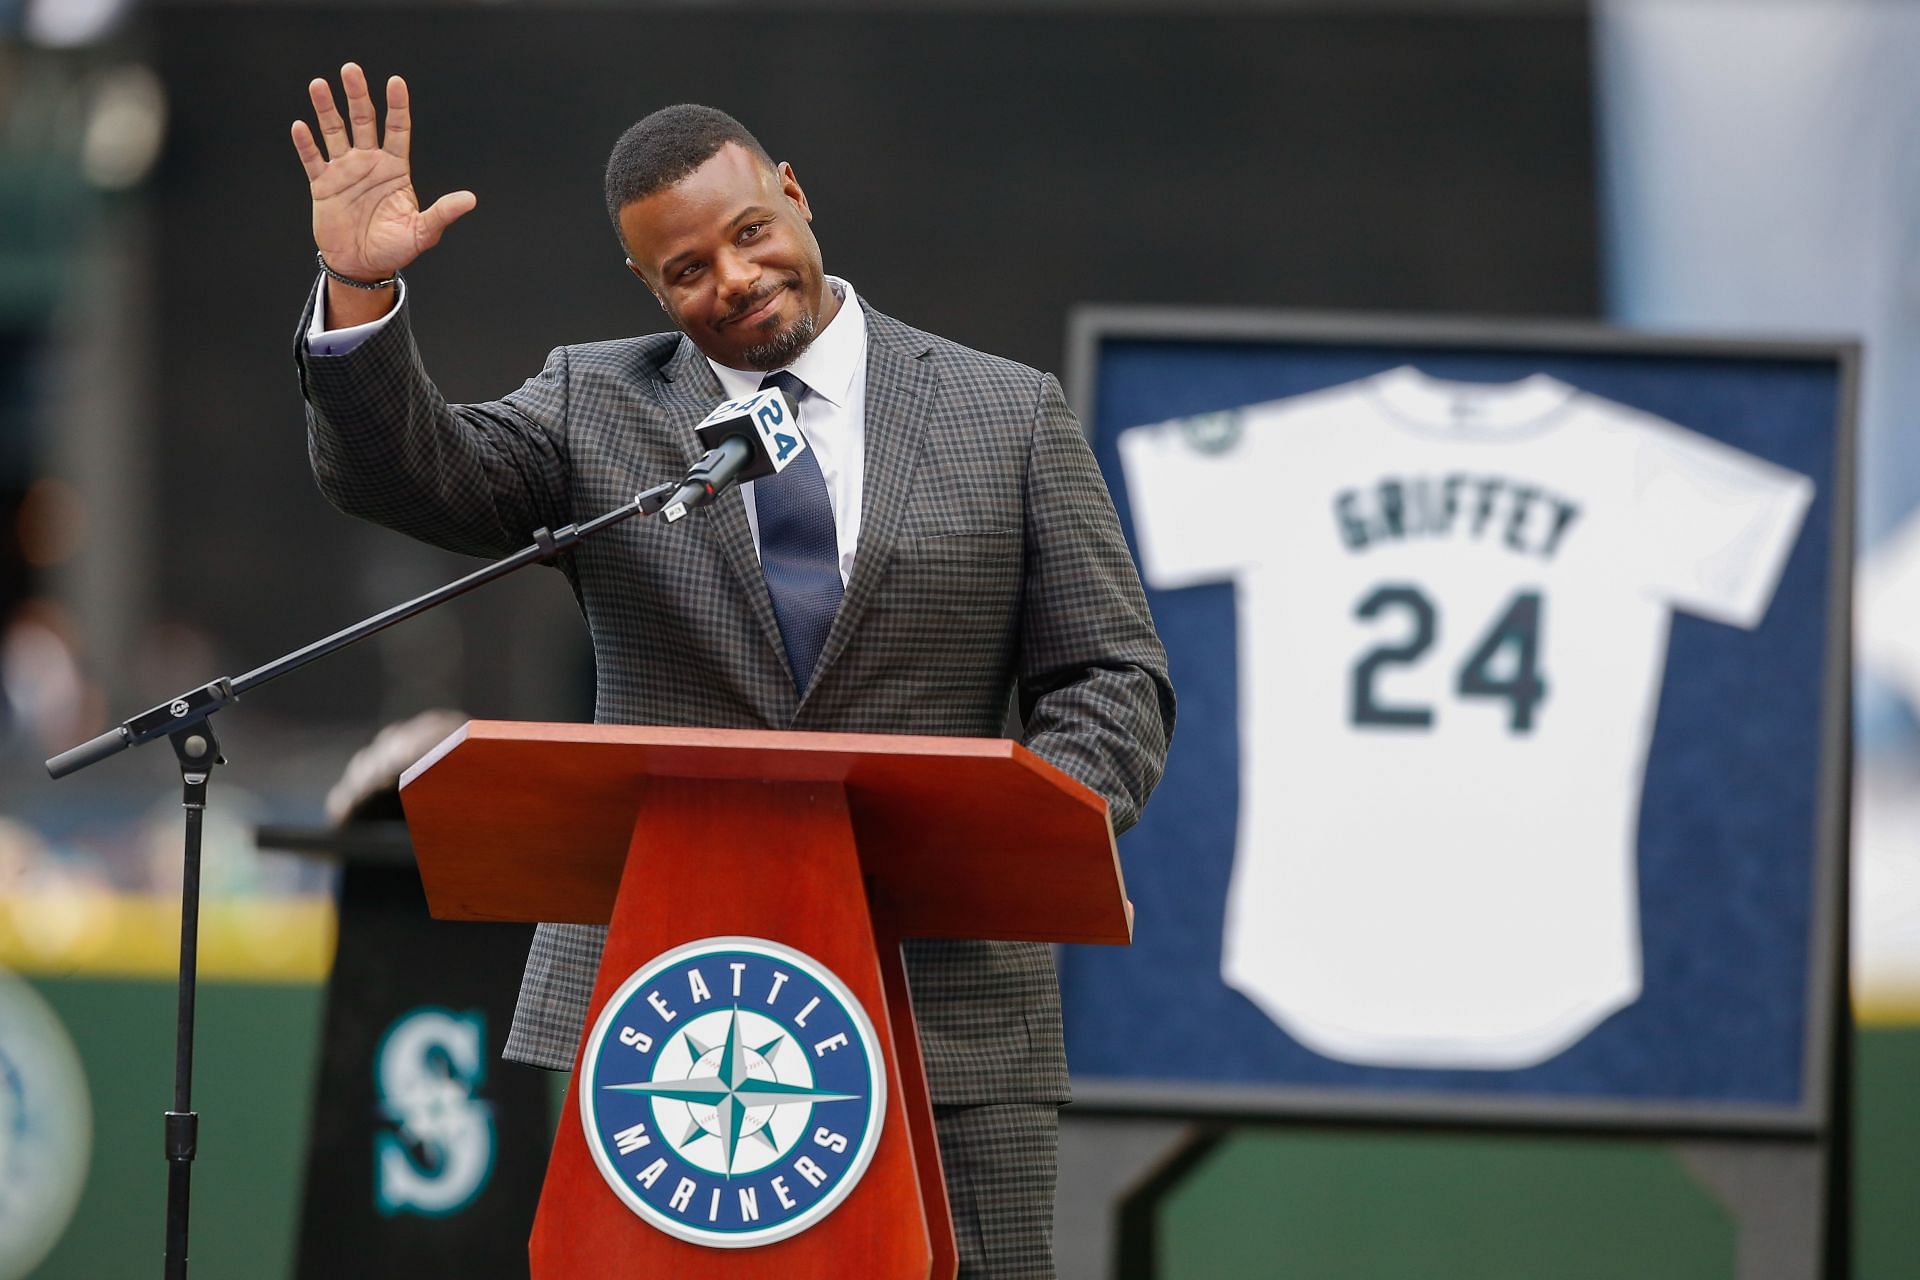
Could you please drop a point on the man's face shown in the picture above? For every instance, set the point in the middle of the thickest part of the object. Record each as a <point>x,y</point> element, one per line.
<point>729,253</point>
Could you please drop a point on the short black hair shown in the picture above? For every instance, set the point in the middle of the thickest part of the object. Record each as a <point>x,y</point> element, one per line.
<point>667,146</point>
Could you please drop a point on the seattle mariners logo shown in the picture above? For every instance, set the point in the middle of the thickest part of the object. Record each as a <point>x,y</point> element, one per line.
<point>439,1154</point>
<point>1213,432</point>
<point>732,1092</point>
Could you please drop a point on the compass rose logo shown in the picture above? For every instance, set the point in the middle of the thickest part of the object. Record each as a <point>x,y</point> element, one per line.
<point>732,1092</point>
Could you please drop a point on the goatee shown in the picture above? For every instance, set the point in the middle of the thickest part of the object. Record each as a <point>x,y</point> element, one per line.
<point>783,348</point>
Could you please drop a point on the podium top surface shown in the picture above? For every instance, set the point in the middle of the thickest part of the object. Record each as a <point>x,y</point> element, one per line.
<point>958,837</point>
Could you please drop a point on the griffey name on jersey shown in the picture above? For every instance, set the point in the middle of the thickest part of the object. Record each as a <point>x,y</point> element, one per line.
<point>1517,514</point>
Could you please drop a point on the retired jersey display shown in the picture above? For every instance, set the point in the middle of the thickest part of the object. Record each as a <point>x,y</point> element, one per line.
<point>1453,602</point>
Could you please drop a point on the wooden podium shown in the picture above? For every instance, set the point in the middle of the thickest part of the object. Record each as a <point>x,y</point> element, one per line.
<point>835,846</point>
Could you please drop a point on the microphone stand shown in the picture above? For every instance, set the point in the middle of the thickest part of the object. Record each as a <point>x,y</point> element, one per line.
<point>185,722</point>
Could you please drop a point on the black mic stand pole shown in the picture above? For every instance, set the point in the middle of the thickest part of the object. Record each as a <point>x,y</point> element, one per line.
<point>186,723</point>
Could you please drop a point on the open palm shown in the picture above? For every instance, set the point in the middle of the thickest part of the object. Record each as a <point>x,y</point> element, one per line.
<point>366,219</point>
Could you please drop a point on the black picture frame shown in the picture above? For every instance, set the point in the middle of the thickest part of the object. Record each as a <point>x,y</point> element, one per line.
<point>1197,349</point>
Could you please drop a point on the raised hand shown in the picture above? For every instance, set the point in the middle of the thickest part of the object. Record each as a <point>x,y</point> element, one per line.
<point>366,219</point>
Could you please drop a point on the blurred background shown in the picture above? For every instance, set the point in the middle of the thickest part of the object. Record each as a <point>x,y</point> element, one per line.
<point>1678,166</point>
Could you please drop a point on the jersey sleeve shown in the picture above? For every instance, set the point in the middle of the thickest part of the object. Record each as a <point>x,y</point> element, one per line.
<point>1189,483</point>
<point>1717,524</point>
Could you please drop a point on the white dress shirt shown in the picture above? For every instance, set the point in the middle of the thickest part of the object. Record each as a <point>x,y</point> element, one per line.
<point>833,415</point>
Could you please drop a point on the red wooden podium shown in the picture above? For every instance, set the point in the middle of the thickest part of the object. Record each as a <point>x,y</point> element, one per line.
<point>833,845</point>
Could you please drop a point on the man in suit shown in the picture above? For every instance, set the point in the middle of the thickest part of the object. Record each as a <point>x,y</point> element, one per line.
<point>948,548</point>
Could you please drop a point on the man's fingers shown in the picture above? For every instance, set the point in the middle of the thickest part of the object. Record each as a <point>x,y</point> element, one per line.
<point>310,158</point>
<point>359,106</point>
<point>332,128</point>
<point>399,136</point>
<point>442,213</point>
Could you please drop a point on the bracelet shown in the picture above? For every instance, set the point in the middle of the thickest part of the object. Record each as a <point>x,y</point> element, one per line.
<point>331,274</point>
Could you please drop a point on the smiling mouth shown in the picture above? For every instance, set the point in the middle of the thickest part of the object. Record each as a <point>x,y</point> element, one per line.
<point>756,310</point>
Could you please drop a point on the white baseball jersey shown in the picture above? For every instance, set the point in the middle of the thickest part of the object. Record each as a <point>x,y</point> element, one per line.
<point>1453,603</point>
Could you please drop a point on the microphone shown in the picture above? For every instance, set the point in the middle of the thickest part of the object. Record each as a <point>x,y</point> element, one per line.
<point>746,439</point>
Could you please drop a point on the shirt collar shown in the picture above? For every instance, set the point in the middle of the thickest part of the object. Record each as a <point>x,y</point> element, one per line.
<point>828,364</point>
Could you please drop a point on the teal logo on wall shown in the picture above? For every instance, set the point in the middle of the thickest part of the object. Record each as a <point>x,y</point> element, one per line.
<point>732,1092</point>
<point>436,1149</point>
<point>46,1128</point>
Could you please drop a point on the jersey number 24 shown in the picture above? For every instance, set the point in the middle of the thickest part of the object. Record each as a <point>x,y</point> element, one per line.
<point>1505,664</point>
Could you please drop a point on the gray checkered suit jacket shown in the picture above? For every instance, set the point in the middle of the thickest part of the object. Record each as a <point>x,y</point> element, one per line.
<point>989,561</point>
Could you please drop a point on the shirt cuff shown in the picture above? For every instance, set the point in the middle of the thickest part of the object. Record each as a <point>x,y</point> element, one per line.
<point>322,341</point>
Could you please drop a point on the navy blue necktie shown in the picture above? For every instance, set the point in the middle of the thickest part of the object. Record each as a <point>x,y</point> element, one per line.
<point>799,550</point>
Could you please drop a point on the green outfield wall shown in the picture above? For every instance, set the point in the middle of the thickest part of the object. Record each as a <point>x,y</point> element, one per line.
<point>1269,1202</point>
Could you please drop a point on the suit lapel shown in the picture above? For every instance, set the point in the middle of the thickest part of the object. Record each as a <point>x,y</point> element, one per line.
<point>691,393</point>
<point>899,386</point>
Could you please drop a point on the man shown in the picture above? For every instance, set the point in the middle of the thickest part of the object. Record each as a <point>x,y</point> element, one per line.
<point>948,546</point>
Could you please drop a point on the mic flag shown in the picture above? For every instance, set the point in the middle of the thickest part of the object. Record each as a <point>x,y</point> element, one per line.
<point>772,421</point>
<point>746,439</point>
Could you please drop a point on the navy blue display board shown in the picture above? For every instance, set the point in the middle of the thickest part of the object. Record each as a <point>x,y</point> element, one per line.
<point>1742,815</point>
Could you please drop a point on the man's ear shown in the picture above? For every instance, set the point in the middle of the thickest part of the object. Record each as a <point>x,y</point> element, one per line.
<point>642,278</point>
<point>790,188</point>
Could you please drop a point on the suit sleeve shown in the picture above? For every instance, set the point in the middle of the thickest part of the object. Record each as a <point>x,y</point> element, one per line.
<point>386,446</point>
<point>1094,693</point>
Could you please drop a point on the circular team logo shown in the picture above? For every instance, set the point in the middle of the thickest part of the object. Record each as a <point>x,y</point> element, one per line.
<point>1213,432</point>
<point>46,1128</point>
<point>732,1092</point>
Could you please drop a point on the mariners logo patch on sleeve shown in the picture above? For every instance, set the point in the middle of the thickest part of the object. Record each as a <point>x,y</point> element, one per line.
<point>732,1092</point>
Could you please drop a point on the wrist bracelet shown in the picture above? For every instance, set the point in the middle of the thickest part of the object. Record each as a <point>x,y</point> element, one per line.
<point>349,281</point>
